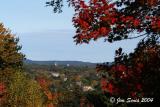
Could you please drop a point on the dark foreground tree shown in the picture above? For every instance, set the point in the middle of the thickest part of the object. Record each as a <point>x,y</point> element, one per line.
<point>135,75</point>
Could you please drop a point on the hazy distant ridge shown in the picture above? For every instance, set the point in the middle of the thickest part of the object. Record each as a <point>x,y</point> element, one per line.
<point>71,63</point>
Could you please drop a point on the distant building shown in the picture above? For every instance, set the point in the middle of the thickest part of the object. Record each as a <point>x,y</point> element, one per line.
<point>55,74</point>
<point>87,88</point>
<point>68,65</point>
<point>55,64</point>
<point>65,79</point>
<point>79,83</point>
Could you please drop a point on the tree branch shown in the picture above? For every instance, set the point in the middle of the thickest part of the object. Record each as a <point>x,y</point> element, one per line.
<point>137,36</point>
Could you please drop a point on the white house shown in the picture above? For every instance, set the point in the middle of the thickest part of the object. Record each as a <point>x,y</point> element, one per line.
<point>55,74</point>
<point>87,88</point>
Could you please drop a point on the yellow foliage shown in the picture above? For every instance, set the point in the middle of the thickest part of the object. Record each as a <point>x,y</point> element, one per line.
<point>24,92</point>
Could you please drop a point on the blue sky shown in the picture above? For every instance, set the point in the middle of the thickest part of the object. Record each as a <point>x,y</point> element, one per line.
<point>48,36</point>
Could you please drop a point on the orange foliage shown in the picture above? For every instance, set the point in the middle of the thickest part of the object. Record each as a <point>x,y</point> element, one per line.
<point>51,96</point>
<point>50,105</point>
<point>56,95</point>
<point>45,83</point>
<point>48,94</point>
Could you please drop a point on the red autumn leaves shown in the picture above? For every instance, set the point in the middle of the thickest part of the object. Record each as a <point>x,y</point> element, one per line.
<point>44,83</point>
<point>134,75</point>
<point>2,88</point>
<point>121,74</point>
<point>99,18</point>
<point>2,92</point>
<point>106,86</point>
<point>87,21</point>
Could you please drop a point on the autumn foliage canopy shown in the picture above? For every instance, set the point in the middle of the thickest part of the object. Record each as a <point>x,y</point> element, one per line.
<point>114,20</point>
